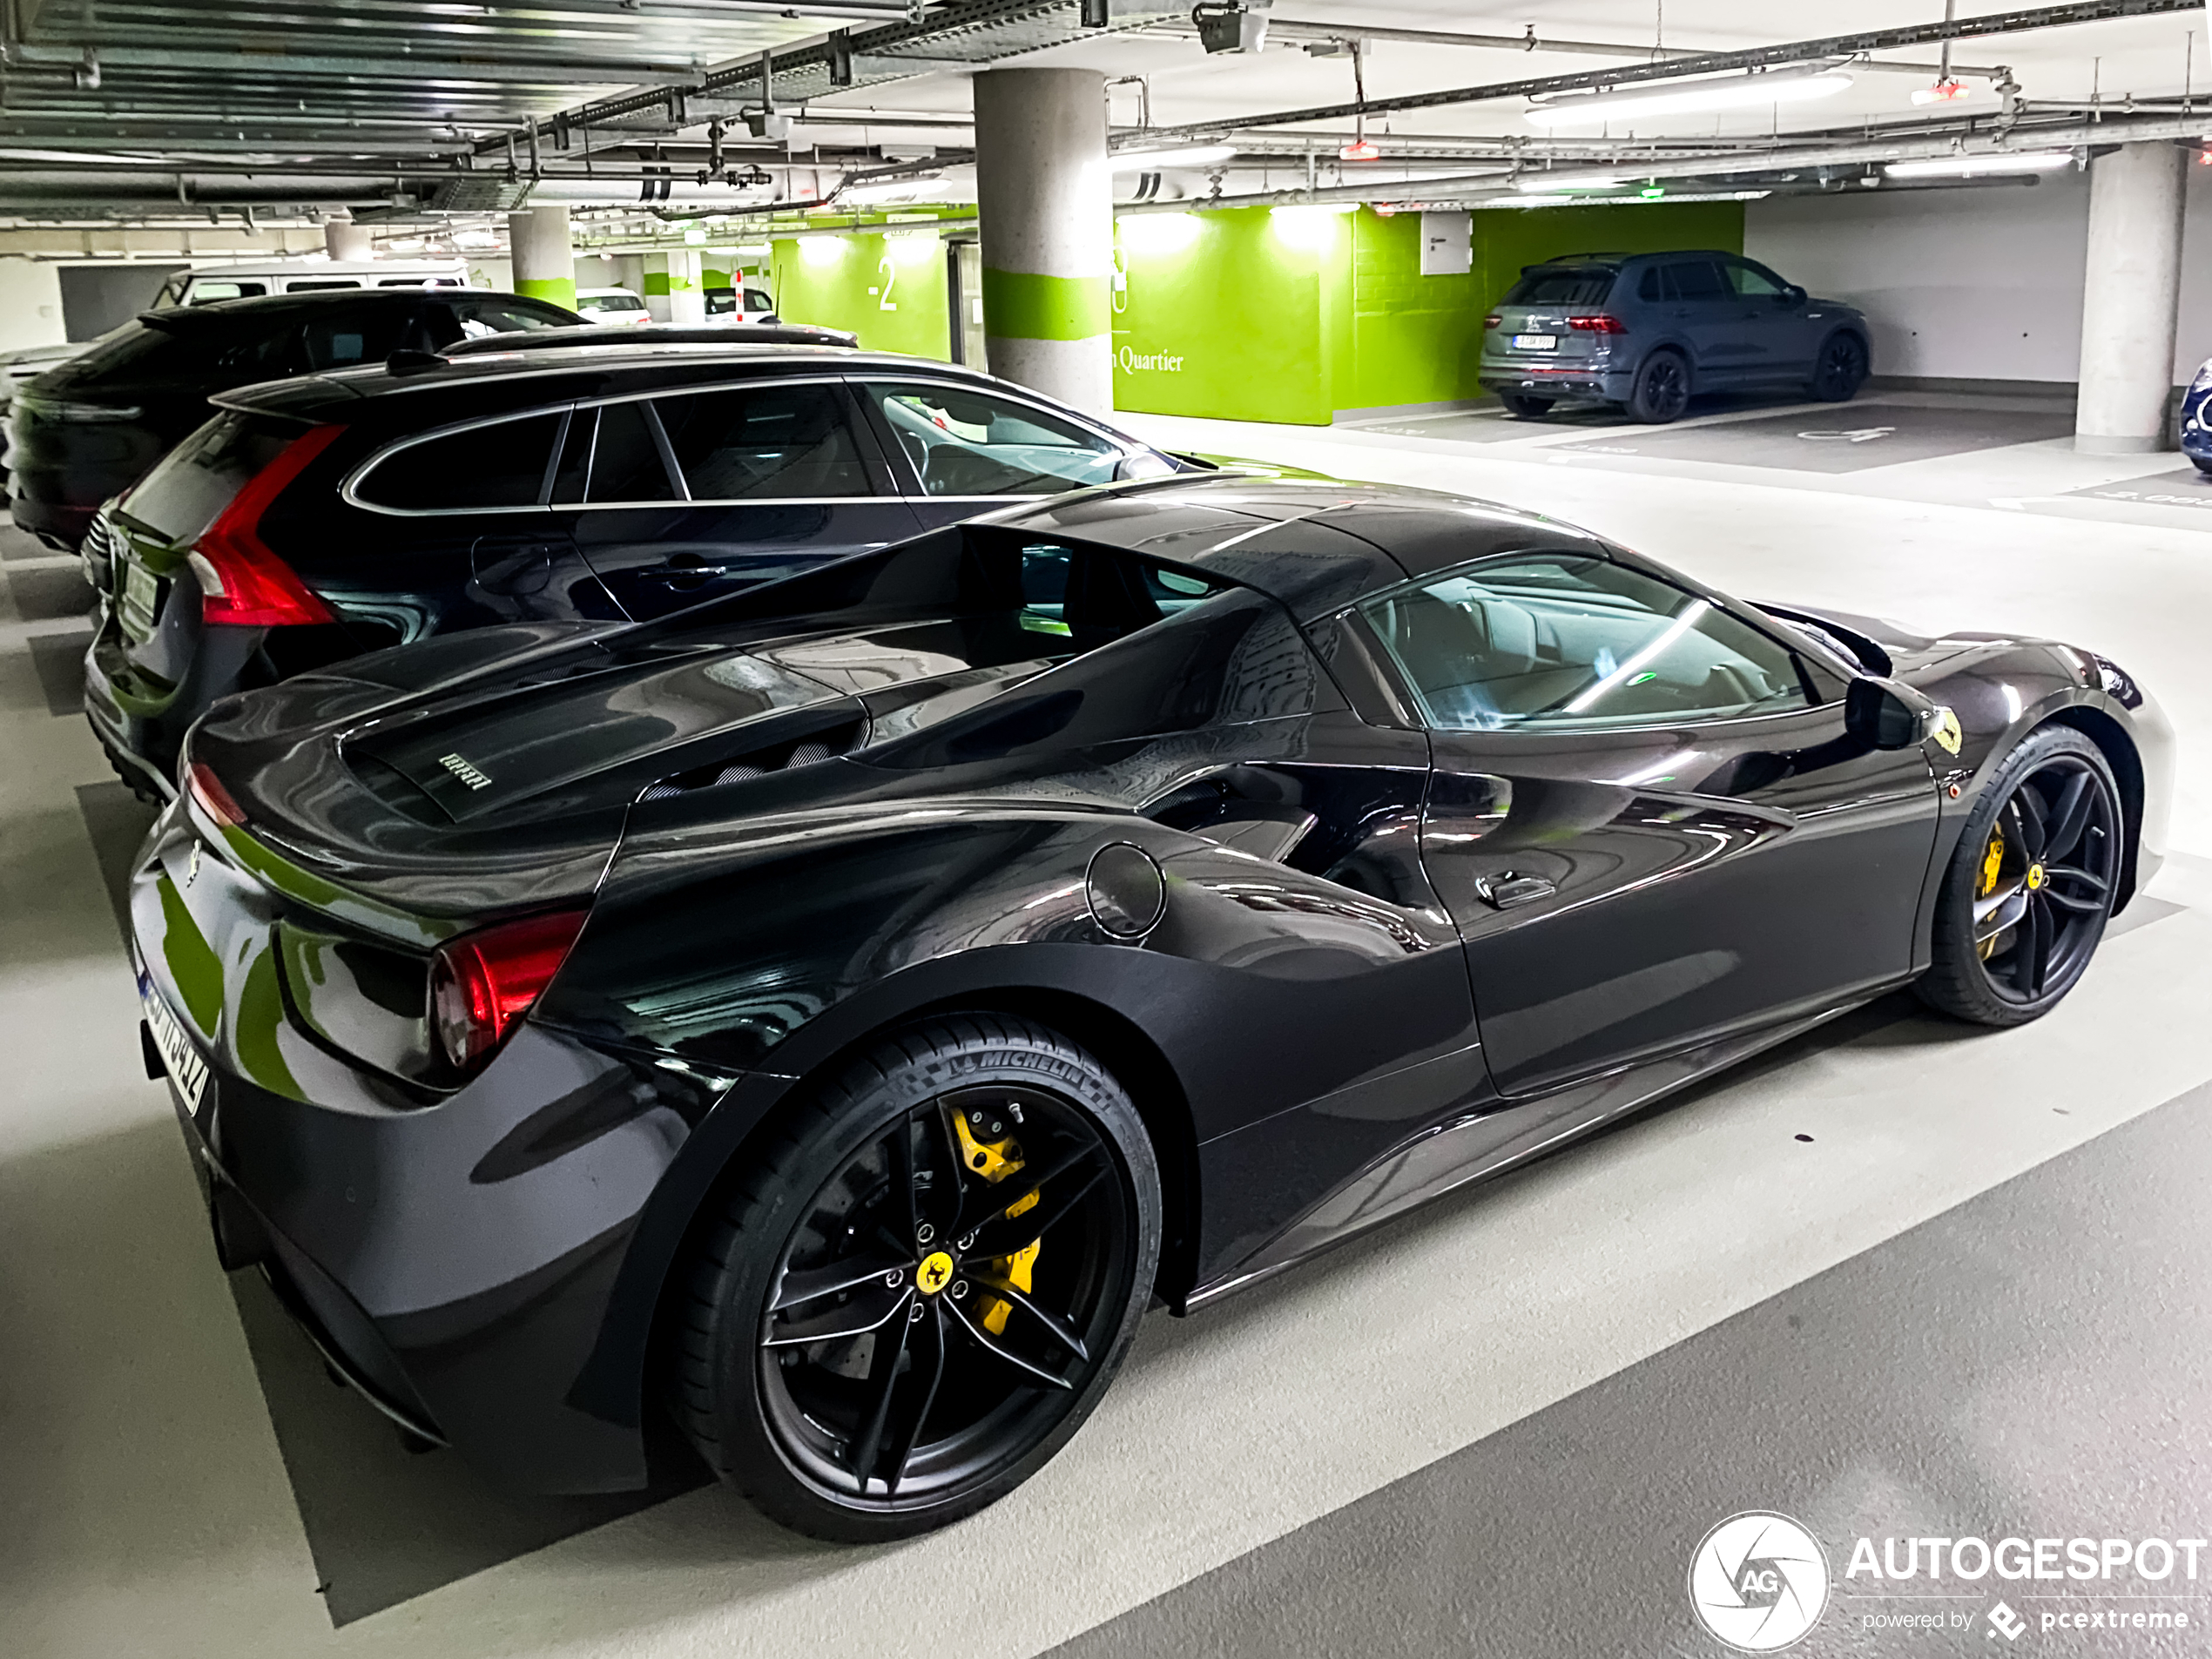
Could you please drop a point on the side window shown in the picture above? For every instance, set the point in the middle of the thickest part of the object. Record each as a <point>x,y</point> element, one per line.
<point>757,300</point>
<point>1648,286</point>
<point>1694,279</point>
<point>482,317</point>
<point>765,442</point>
<point>965,442</point>
<point>320,285</point>
<point>1751,282</point>
<point>720,302</point>
<point>500,465</point>
<point>626,463</point>
<point>1094,596</point>
<point>206,294</point>
<point>1550,639</point>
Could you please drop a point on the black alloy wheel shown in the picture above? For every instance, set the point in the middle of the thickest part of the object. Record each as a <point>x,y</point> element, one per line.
<point>1661,389</point>
<point>1524,407</point>
<point>2031,886</point>
<point>1840,370</point>
<point>919,1293</point>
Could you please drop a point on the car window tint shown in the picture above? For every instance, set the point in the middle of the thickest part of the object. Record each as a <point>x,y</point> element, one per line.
<point>500,465</point>
<point>342,339</point>
<point>1561,286</point>
<point>1647,284</point>
<point>626,462</point>
<point>574,466</point>
<point>720,301</point>
<point>780,441</point>
<point>1090,597</point>
<point>1550,639</point>
<point>206,294</point>
<point>482,317</point>
<point>320,285</point>
<point>965,442</point>
<point>1694,280</point>
<point>757,300</point>
<point>195,481</point>
<point>1751,282</point>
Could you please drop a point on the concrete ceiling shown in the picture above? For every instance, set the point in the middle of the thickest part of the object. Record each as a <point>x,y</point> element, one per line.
<point>148,108</point>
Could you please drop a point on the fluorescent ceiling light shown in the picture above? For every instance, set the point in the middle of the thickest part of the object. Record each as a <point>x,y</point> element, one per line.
<point>1549,183</point>
<point>1737,91</point>
<point>1968,167</point>
<point>1197,155</point>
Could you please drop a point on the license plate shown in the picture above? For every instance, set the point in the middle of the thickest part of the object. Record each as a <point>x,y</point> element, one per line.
<point>186,1069</point>
<point>1535,342</point>
<point>141,597</point>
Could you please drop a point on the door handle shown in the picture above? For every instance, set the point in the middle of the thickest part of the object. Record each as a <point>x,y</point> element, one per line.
<point>685,567</point>
<point>1504,892</point>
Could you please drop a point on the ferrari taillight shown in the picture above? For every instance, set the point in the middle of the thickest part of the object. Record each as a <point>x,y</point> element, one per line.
<point>241,581</point>
<point>482,983</point>
<point>208,795</point>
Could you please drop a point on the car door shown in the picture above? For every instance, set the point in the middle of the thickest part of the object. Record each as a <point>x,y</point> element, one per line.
<point>1778,339</point>
<point>1700,307</point>
<point>1647,817</point>
<point>690,495</point>
<point>963,450</point>
<point>465,535</point>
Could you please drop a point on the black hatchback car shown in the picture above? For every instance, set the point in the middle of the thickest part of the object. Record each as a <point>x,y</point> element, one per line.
<point>1649,330</point>
<point>319,517</point>
<point>94,426</point>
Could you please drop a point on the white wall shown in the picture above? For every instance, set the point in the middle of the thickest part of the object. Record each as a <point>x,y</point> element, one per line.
<point>30,304</point>
<point>1970,284</point>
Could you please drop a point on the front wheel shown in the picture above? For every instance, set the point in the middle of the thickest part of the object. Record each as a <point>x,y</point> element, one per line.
<point>2025,902</point>
<point>1840,370</point>
<point>918,1292</point>
<point>1661,389</point>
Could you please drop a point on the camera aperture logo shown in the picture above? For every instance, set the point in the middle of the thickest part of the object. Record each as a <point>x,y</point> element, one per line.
<point>1759,1581</point>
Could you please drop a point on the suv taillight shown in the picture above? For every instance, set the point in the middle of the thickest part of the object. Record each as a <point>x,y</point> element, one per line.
<point>1598,324</point>
<point>483,982</point>
<point>241,581</point>
<point>1493,321</point>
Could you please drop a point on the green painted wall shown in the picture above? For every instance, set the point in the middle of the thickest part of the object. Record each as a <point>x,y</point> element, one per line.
<point>1246,315</point>
<point>560,291</point>
<point>889,290</point>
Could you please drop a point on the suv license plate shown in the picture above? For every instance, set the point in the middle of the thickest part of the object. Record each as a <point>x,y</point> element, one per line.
<point>186,1069</point>
<point>1535,342</point>
<point>141,597</point>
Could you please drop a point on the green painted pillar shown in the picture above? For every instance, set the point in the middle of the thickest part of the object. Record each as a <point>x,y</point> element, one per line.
<point>538,238</point>
<point>1046,199</point>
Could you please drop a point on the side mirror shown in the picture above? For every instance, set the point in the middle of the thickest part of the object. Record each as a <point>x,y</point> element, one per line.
<point>1793,295</point>
<point>1886,713</point>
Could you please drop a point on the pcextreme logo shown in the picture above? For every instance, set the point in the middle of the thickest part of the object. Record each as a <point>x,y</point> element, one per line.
<point>1759,1581</point>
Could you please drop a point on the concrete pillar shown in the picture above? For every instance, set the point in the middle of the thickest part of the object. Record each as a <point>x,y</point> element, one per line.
<point>544,260</point>
<point>671,289</point>
<point>1046,199</point>
<point>343,239</point>
<point>2132,298</point>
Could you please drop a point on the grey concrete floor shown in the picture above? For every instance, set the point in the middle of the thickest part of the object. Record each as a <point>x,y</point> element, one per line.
<point>1499,1425</point>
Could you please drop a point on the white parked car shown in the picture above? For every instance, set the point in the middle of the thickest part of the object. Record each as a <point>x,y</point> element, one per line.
<point>611,306</point>
<point>206,284</point>
<point>740,305</point>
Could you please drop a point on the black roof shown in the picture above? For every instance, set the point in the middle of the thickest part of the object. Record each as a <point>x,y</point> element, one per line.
<point>654,334</point>
<point>528,371</point>
<point>1316,544</point>
<point>286,304</point>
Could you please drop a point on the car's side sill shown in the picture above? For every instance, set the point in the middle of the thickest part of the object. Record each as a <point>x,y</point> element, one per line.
<point>1449,1156</point>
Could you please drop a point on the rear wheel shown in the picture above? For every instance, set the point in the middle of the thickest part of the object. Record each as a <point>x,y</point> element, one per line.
<point>1661,389</point>
<point>1522,406</point>
<point>2032,884</point>
<point>1840,369</point>
<point>915,1296</point>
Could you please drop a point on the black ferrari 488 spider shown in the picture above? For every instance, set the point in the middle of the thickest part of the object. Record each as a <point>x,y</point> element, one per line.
<point>833,1014</point>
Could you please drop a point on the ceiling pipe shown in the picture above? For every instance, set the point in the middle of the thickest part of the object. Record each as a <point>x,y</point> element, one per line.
<point>1852,45</point>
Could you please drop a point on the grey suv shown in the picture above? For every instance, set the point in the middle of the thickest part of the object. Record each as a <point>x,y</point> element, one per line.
<point>1648,330</point>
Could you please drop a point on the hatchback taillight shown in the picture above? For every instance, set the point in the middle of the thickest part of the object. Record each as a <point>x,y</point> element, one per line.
<point>482,983</point>
<point>1493,321</point>
<point>1597,324</point>
<point>241,581</point>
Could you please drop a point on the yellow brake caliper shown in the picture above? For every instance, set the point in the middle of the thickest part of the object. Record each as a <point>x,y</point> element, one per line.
<point>994,1161</point>
<point>1993,861</point>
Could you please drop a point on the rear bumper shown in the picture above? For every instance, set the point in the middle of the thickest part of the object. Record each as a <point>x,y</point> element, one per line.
<point>142,721</point>
<point>1557,379</point>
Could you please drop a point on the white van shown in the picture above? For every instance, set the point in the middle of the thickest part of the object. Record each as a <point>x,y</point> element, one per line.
<point>214,282</point>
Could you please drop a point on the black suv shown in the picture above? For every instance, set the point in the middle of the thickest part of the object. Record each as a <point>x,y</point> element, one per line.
<point>80,433</point>
<point>316,518</point>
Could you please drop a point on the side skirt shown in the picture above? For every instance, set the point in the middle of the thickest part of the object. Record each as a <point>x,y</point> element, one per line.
<point>1451,1155</point>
